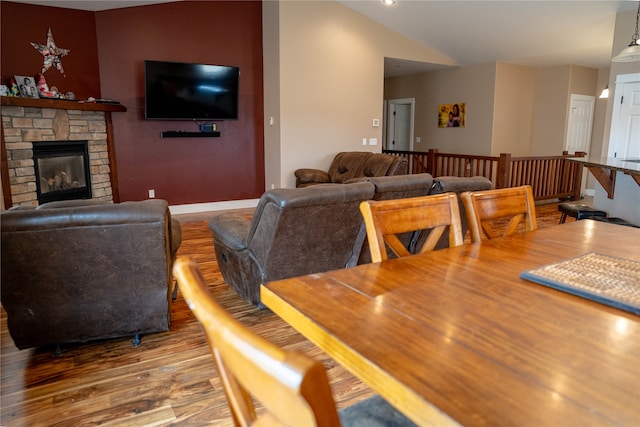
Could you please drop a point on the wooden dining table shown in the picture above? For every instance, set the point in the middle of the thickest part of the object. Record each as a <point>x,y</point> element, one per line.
<point>456,337</point>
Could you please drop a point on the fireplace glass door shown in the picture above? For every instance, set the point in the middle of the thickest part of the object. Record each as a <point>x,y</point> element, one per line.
<point>62,170</point>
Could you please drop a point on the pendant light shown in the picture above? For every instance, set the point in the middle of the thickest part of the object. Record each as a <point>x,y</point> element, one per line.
<point>605,92</point>
<point>631,53</point>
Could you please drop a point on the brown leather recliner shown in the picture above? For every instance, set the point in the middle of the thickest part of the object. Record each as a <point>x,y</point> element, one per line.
<point>78,270</point>
<point>350,165</point>
<point>310,230</point>
<point>293,232</point>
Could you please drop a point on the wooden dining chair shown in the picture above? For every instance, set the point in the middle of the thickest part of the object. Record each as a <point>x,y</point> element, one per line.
<point>385,220</point>
<point>500,212</point>
<point>293,389</point>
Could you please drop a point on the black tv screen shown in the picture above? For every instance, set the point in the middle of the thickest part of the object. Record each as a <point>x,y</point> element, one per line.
<point>183,91</point>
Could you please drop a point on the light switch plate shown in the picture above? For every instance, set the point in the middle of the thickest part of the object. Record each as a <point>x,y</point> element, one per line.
<point>373,141</point>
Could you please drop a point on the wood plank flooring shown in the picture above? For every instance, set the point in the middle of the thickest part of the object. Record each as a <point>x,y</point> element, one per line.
<point>169,380</point>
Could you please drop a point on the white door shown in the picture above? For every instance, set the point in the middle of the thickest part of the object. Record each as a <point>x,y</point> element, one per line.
<point>399,124</point>
<point>580,123</point>
<point>625,121</point>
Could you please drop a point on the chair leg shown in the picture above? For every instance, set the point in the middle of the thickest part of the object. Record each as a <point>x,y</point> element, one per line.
<point>563,218</point>
<point>136,340</point>
<point>174,294</point>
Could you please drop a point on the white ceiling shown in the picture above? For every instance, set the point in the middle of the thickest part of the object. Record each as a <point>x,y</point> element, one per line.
<point>538,33</point>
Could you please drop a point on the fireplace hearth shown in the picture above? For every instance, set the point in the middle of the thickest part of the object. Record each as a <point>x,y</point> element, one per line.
<point>62,170</point>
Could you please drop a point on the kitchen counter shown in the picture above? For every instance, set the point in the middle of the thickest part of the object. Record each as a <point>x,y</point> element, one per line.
<point>616,175</point>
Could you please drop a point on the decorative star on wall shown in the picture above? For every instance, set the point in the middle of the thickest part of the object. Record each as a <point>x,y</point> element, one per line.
<point>51,53</point>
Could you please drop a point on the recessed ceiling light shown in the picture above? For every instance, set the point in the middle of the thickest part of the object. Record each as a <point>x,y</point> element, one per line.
<point>389,2</point>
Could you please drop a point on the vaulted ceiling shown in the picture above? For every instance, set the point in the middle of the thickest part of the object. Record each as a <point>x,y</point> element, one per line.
<point>535,33</point>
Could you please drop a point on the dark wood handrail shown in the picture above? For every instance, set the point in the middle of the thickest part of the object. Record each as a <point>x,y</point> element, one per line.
<point>550,176</point>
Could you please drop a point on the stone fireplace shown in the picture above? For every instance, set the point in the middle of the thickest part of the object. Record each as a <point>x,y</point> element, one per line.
<point>26,125</point>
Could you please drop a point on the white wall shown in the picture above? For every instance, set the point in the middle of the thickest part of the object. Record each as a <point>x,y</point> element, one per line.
<point>625,25</point>
<point>331,71</point>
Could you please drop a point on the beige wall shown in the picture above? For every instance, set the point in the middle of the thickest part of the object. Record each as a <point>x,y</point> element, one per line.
<point>331,71</point>
<point>499,100</point>
<point>583,81</point>
<point>599,116</point>
<point>555,86</point>
<point>514,109</point>
<point>473,85</point>
<point>271,79</point>
<point>328,64</point>
<point>552,103</point>
<point>510,108</point>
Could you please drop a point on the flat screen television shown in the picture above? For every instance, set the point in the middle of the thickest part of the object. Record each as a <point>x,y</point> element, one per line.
<point>184,91</point>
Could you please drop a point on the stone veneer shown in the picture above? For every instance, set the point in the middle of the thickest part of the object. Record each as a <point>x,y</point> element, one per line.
<point>24,125</point>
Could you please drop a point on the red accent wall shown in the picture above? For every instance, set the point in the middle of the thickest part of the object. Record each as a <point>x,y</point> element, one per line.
<point>184,170</point>
<point>72,29</point>
<point>108,49</point>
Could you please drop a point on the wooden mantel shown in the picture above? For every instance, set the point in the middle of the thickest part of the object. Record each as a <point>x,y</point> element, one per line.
<point>61,104</point>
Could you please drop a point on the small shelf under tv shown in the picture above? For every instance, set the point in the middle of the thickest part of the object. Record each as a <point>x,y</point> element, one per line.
<point>183,134</point>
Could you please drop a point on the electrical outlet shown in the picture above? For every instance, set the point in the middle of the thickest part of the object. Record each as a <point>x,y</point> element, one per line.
<point>152,194</point>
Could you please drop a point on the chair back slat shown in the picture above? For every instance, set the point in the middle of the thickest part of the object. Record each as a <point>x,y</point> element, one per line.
<point>385,220</point>
<point>499,212</point>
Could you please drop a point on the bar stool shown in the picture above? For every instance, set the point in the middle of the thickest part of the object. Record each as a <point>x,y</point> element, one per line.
<point>578,211</point>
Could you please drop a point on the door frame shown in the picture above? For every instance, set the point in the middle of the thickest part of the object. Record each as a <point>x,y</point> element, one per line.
<point>592,102</point>
<point>388,127</point>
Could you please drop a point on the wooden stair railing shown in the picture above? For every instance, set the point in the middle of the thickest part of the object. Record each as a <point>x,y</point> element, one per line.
<point>550,176</point>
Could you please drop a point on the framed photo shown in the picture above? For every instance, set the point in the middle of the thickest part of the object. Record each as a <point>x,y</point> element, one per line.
<point>452,115</point>
<point>27,87</point>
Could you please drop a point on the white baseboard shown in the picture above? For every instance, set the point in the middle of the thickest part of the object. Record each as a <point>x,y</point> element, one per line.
<point>213,206</point>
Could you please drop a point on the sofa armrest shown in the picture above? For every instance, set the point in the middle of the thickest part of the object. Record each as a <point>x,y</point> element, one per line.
<point>306,177</point>
<point>230,229</point>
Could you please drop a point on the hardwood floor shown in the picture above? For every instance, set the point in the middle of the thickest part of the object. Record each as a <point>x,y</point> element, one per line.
<point>169,380</point>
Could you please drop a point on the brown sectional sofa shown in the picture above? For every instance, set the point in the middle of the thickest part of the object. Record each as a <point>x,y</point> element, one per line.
<point>309,230</point>
<point>78,270</point>
<point>351,165</point>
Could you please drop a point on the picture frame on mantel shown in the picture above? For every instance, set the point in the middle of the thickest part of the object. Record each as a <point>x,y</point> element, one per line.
<point>27,87</point>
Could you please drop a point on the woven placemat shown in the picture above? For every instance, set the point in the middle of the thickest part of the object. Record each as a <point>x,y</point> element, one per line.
<point>603,278</point>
